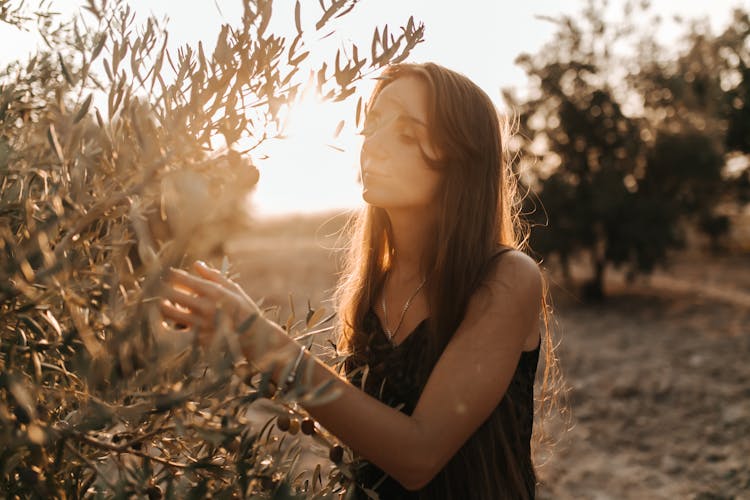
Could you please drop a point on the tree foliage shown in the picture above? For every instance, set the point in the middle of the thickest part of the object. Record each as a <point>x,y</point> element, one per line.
<point>120,159</point>
<point>622,151</point>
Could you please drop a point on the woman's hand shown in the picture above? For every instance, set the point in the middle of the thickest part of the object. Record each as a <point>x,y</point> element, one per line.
<point>202,301</point>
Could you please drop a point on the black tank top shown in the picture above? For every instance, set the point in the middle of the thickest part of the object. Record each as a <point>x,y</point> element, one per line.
<point>392,379</point>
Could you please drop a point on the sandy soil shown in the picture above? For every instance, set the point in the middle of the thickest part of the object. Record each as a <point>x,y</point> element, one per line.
<point>659,388</point>
<point>658,374</point>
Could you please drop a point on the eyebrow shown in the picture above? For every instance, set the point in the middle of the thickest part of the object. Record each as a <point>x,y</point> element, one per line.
<point>405,116</point>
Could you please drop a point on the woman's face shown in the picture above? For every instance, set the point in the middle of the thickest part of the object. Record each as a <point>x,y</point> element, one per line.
<point>394,173</point>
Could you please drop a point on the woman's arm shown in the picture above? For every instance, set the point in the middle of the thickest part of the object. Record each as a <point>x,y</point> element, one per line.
<point>466,384</point>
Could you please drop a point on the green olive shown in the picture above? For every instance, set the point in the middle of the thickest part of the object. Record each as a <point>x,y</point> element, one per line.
<point>294,426</point>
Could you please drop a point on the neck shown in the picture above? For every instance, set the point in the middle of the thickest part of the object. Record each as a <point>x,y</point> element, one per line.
<point>412,232</point>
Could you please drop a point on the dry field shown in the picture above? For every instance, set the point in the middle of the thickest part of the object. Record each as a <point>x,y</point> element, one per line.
<point>659,375</point>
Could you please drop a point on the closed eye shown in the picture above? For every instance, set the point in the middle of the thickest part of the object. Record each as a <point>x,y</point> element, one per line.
<point>410,139</point>
<point>374,122</point>
<point>406,131</point>
<point>368,126</point>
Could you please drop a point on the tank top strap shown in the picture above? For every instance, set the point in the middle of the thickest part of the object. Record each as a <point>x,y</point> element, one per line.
<point>501,249</point>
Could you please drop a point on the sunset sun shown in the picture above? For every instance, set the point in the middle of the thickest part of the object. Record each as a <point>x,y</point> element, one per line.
<point>311,167</point>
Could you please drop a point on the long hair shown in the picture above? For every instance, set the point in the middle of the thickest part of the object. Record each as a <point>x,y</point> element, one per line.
<point>478,212</point>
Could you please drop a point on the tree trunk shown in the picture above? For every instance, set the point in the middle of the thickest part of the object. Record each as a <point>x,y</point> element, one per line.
<point>565,264</point>
<point>593,290</point>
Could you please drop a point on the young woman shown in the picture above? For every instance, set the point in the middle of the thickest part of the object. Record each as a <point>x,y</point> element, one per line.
<point>437,301</point>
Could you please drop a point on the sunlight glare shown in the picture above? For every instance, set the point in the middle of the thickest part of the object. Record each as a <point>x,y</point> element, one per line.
<point>309,169</point>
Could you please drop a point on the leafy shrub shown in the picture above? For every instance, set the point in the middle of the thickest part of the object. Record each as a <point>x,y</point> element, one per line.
<point>120,159</point>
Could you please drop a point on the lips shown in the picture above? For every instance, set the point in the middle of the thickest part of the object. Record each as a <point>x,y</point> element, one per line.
<point>369,171</point>
<point>372,173</point>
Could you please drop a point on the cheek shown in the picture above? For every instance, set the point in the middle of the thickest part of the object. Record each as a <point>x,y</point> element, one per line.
<point>409,180</point>
<point>417,178</point>
<point>430,184</point>
<point>412,187</point>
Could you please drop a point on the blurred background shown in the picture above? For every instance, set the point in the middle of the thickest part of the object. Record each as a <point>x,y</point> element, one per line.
<point>632,146</point>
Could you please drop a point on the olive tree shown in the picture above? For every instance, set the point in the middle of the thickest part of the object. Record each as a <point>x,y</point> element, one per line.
<point>121,158</point>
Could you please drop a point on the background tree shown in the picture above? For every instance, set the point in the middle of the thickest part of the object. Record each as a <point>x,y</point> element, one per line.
<point>700,92</point>
<point>120,159</point>
<point>585,146</point>
<point>616,172</point>
<point>735,48</point>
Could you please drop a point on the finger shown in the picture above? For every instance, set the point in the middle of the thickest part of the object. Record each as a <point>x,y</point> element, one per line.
<point>171,327</point>
<point>199,285</point>
<point>216,276</point>
<point>180,316</point>
<point>213,275</point>
<point>195,303</point>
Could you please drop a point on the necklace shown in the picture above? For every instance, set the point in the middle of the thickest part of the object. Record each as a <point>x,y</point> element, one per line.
<point>391,334</point>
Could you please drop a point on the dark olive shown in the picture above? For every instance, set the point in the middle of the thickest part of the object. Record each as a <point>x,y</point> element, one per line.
<point>336,453</point>
<point>154,492</point>
<point>22,416</point>
<point>282,422</point>
<point>28,476</point>
<point>308,426</point>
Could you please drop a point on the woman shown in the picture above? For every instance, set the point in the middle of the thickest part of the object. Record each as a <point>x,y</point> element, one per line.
<point>437,301</point>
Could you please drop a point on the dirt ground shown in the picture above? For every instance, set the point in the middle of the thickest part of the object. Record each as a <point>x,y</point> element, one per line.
<point>658,374</point>
<point>659,388</point>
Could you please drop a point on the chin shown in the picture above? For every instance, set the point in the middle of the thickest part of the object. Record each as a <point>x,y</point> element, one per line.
<point>368,198</point>
<point>373,199</point>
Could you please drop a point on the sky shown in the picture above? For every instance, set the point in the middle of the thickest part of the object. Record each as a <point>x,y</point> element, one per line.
<point>480,39</point>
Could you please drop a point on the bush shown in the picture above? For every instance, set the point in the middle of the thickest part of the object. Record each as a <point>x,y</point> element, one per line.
<point>113,171</point>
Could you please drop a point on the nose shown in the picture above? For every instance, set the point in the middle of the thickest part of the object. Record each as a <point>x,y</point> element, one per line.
<point>370,153</point>
<point>368,149</point>
<point>372,146</point>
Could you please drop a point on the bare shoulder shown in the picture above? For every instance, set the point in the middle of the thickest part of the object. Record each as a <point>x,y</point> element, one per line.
<point>508,303</point>
<point>516,273</point>
<point>515,287</point>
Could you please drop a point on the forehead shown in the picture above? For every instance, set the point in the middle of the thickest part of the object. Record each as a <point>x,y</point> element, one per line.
<point>409,93</point>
